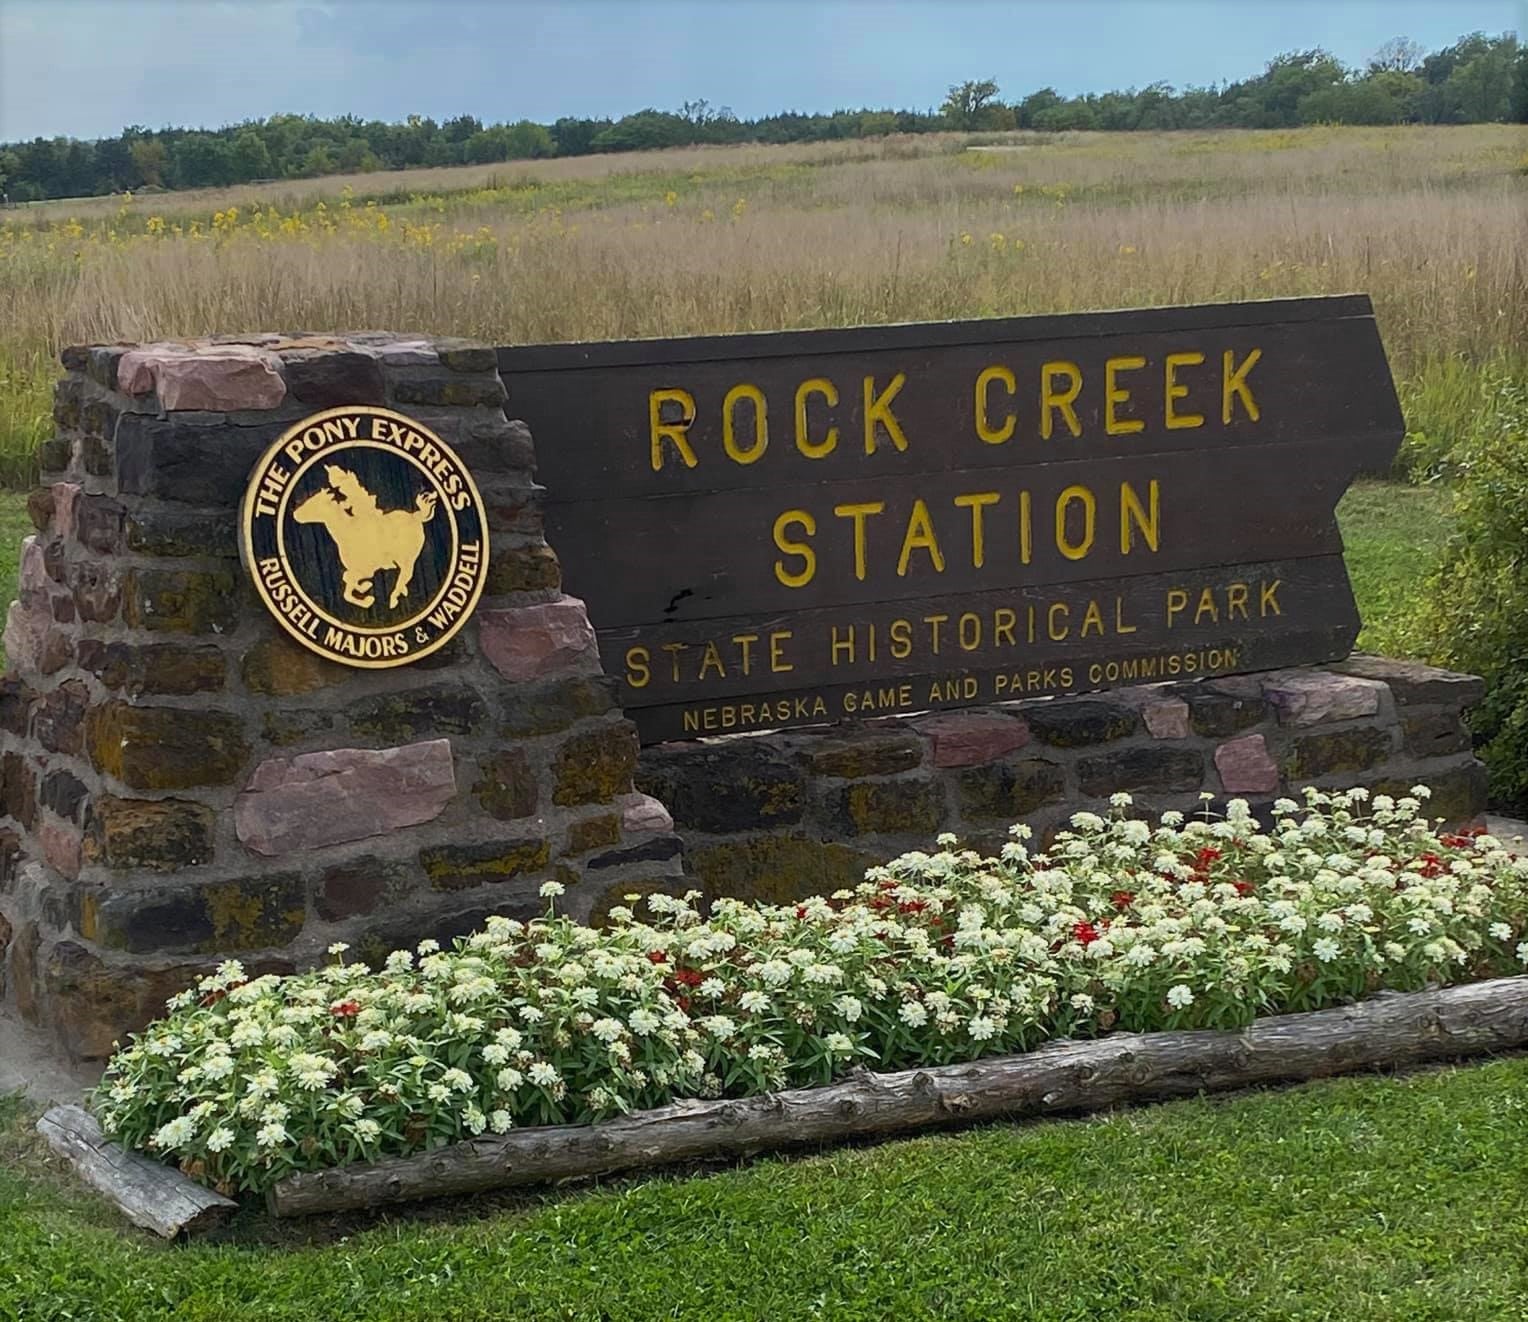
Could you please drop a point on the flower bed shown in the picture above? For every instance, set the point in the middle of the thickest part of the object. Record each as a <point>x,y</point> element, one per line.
<point>935,959</point>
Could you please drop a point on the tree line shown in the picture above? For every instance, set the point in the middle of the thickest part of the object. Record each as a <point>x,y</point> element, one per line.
<point>1478,79</point>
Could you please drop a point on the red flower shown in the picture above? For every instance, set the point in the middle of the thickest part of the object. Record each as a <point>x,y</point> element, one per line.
<point>1244,887</point>
<point>1204,858</point>
<point>912,906</point>
<point>1432,865</point>
<point>345,1009</point>
<point>689,977</point>
<point>658,956</point>
<point>1123,898</point>
<point>1086,933</point>
<point>212,998</point>
<point>801,911</point>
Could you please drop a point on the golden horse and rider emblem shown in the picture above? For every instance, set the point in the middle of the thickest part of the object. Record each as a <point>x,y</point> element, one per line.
<point>368,538</point>
<point>365,536</point>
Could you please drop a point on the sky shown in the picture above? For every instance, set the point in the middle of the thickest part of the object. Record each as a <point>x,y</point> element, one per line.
<point>88,68</point>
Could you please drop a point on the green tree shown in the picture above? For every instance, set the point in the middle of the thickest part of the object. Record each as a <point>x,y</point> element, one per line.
<point>249,157</point>
<point>526,140</point>
<point>967,104</point>
<point>149,159</point>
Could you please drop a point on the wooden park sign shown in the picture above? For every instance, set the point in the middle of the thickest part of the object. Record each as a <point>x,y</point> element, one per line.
<point>794,528</point>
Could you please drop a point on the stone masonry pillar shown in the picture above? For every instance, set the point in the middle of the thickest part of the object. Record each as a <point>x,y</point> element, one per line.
<point>180,783</point>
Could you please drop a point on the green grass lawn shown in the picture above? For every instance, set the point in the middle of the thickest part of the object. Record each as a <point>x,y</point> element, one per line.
<point>1373,1198</point>
<point>1393,535</point>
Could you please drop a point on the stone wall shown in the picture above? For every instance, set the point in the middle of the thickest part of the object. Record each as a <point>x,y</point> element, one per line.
<point>181,783</point>
<point>793,813</point>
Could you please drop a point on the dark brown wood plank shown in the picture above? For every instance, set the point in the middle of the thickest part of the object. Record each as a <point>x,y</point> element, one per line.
<point>1254,616</point>
<point>715,554</point>
<point>573,355</point>
<point>594,433</point>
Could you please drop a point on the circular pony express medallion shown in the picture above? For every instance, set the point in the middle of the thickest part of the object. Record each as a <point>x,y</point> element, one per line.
<point>366,537</point>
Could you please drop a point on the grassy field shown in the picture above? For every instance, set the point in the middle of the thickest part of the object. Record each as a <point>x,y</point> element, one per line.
<point>1428,221</point>
<point>1374,1198</point>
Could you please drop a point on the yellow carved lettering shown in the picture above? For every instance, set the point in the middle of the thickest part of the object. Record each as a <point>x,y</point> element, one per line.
<point>878,410</point>
<point>810,448</point>
<point>1177,421</point>
<point>1233,384</point>
<point>676,432</point>
<point>984,428</point>
<point>976,501</point>
<point>801,577</point>
<point>755,396</point>
<point>1113,394</point>
<point>859,513</point>
<point>1070,549</point>
<point>1062,400</point>
<point>920,534</point>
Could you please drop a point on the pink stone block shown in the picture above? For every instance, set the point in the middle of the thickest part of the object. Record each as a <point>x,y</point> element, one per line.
<point>1246,767</point>
<point>645,814</point>
<point>25,638</point>
<point>34,572</point>
<point>967,739</point>
<point>530,642</point>
<point>318,799</point>
<point>1310,697</point>
<point>220,378</point>
<point>60,845</point>
<point>137,369</point>
<point>65,494</point>
<point>1165,716</point>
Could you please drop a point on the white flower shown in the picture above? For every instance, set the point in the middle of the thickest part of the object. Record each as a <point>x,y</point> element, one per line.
<point>269,1135</point>
<point>981,1027</point>
<point>775,972</point>
<point>1500,932</point>
<point>912,1014</point>
<point>1326,949</point>
<point>220,1139</point>
<point>712,987</point>
<point>644,1022</point>
<point>509,1079</point>
<point>312,1072</point>
<point>719,1026</point>
<point>550,890</point>
<point>338,948</point>
<point>367,1130</point>
<point>1180,997</point>
<point>175,1133</point>
<point>755,1002</point>
<point>607,1030</point>
<point>544,1075</point>
<point>1083,1002</point>
<point>1522,952</point>
<point>849,1007</point>
<point>500,1121</point>
<point>840,1044</point>
<point>437,1092</point>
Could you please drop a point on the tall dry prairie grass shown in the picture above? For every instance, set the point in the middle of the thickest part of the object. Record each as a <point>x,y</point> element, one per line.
<point>1430,222</point>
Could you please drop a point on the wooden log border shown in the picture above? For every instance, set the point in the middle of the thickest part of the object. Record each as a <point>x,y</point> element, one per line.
<point>149,1193</point>
<point>1387,1030</point>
